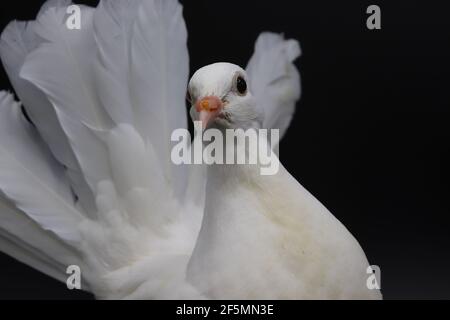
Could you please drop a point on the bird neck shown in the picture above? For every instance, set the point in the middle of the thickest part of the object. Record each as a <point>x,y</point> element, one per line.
<point>237,211</point>
<point>234,192</point>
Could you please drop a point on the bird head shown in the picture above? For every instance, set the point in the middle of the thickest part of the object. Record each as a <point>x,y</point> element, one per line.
<point>220,97</point>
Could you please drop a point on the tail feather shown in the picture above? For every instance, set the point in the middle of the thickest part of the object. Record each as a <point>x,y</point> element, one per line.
<point>23,239</point>
<point>17,40</point>
<point>41,228</point>
<point>59,68</point>
<point>30,176</point>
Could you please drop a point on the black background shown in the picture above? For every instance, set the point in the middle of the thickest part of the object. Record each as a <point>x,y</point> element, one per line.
<point>371,135</point>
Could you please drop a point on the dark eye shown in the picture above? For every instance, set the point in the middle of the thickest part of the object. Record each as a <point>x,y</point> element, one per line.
<point>241,85</point>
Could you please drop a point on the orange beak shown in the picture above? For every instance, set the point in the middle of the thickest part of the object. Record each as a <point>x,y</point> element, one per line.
<point>208,108</point>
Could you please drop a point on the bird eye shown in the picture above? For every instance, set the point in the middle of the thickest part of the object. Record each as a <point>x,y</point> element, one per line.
<point>241,85</point>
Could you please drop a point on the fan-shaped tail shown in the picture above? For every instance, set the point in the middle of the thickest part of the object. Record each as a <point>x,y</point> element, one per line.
<point>90,177</point>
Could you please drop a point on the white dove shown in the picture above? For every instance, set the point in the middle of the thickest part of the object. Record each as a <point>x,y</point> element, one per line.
<point>87,179</point>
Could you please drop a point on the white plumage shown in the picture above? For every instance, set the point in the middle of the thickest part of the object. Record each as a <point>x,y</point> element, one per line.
<point>91,181</point>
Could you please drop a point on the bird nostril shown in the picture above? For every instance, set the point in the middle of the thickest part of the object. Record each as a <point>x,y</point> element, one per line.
<point>209,103</point>
<point>204,104</point>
